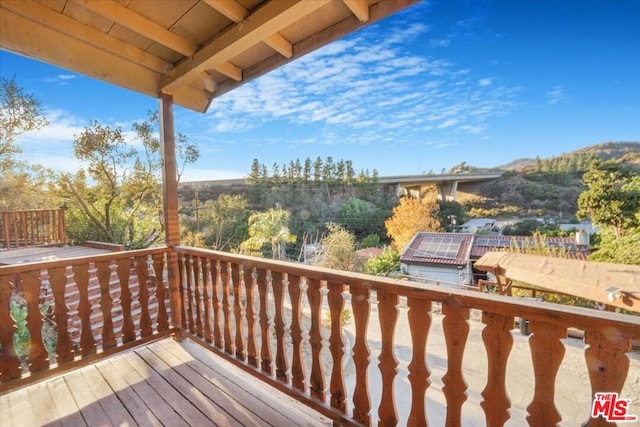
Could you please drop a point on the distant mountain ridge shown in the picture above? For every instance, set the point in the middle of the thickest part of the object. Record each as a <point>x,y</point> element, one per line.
<point>548,187</point>
<point>627,152</point>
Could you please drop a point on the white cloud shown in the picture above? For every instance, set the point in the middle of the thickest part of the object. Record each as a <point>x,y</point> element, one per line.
<point>370,81</point>
<point>61,79</point>
<point>555,94</point>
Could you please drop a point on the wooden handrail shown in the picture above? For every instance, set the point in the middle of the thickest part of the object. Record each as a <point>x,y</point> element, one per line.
<point>283,323</point>
<point>233,302</point>
<point>34,227</point>
<point>88,307</point>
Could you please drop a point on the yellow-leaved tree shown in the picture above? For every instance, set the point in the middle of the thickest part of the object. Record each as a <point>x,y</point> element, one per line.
<point>409,217</point>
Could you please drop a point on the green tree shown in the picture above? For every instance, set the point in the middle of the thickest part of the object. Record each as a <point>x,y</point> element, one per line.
<point>383,265</point>
<point>223,222</point>
<point>270,227</point>
<point>612,197</point>
<point>359,217</point>
<point>623,250</point>
<point>19,112</point>
<point>118,192</point>
<point>22,186</point>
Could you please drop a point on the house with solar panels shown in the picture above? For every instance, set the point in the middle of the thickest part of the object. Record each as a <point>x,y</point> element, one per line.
<point>447,259</point>
<point>439,258</point>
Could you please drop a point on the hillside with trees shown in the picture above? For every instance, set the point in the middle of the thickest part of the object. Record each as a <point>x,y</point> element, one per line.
<point>548,188</point>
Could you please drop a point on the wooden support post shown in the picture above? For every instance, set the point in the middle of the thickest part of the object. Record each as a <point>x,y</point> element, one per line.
<point>170,202</point>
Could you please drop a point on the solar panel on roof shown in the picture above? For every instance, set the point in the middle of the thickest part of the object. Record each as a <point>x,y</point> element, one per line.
<point>439,247</point>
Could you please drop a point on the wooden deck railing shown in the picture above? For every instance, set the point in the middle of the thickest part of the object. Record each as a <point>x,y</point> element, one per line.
<point>251,311</point>
<point>32,228</point>
<point>284,324</point>
<point>69,312</point>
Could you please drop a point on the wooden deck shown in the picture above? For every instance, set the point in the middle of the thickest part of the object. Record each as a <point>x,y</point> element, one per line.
<point>165,383</point>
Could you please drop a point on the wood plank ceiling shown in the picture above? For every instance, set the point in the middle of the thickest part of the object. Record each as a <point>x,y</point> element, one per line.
<point>194,50</point>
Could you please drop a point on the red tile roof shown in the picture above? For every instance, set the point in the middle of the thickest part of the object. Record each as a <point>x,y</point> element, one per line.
<point>499,243</point>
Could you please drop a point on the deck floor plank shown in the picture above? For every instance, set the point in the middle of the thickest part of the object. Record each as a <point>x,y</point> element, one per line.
<point>150,397</point>
<point>21,411</point>
<point>184,400</point>
<point>206,394</point>
<point>92,413</point>
<point>165,383</point>
<point>275,405</point>
<point>43,407</point>
<point>142,415</point>
<point>106,398</point>
<point>68,411</point>
<point>5,410</point>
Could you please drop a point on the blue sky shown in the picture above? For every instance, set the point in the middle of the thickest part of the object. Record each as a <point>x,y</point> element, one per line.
<point>443,82</point>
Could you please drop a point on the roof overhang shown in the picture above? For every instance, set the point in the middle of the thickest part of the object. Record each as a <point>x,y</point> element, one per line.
<point>195,50</point>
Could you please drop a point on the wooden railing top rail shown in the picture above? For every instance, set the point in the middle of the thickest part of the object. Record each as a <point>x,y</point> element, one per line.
<point>585,279</point>
<point>43,265</point>
<point>577,317</point>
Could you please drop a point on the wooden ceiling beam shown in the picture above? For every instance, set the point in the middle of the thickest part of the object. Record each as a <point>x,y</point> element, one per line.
<point>280,45</point>
<point>84,33</point>
<point>360,8</point>
<point>229,8</point>
<point>141,25</point>
<point>266,21</point>
<point>236,12</point>
<point>229,70</point>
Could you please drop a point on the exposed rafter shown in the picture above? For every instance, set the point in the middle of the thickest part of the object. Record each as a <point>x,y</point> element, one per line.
<point>141,25</point>
<point>236,12</point>
<point>255,28</point>
<point>85,33</point>
<point>360,8</point>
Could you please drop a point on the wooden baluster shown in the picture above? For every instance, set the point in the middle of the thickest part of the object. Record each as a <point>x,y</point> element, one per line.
<point>607,363</point>
<point>142,271</point>
<point>124,272</point>
<point>547,352</point>
<point>498,341</point>
<point>419,317</point>
<point>456,330</point>
<point>316,381</point>
<point>6,221</point>
<point>217,286</point>
<point>103,273</point>
<point>278,296</point>
<point>161,292</point>
<point>38,357</point>
<point>64,346</point>
<point>265,332</point>
<point>388,316</point>
<point>336,346</point>
<point>190,301</point>
<point>361,398</point>
<point>198,287</point>
<point>252,348</point>
<point>207,289</point>
<point>237,276</point>
<point>182,274</point>
<point>297,367</point>
<point>9,362</point>
<point>87,342</point>
<point>226,307</point>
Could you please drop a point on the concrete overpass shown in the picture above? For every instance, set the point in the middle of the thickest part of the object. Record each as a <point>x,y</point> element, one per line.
<point>446,185</point>
<point>404,185</point>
